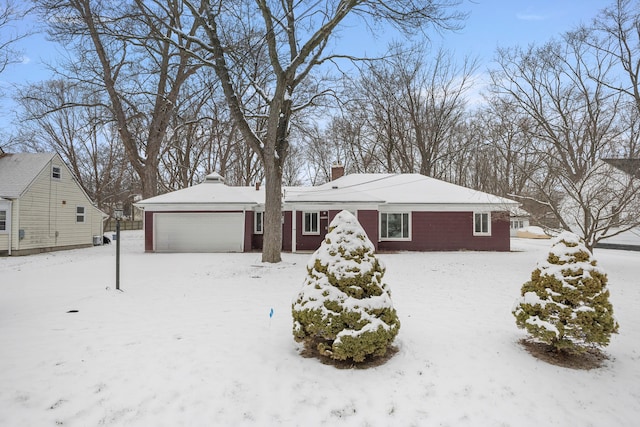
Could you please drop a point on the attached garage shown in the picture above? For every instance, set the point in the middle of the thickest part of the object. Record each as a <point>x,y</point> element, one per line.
<point>198,232</point>
<point>427,213</point>
<point>208,217</point>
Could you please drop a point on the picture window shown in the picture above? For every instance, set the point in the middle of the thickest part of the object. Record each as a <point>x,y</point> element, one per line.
<point>394,226</point>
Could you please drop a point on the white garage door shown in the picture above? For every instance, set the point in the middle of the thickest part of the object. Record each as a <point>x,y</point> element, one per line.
<point>199,232</point>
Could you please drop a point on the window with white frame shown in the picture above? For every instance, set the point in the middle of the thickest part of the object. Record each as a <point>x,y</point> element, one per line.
<point>258,223</point>
<point>482,224</point>
<point>394,225</point>
<point>3,220</point>
<point>517,224</point>
<point>79,213</point>
<point>310,223</point>
<point>56,172</point>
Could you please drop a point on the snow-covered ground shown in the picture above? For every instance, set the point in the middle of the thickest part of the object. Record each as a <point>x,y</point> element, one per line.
<point>190,342</point>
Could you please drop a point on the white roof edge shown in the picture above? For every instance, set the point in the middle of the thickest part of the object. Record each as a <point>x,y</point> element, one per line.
<point>163,207</point>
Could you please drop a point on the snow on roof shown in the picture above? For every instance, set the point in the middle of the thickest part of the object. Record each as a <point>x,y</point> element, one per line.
<point>395,189</point>
<point>214,176</point>
<point>354,188</point>
<point>210,191</point>
<point>18,170</point>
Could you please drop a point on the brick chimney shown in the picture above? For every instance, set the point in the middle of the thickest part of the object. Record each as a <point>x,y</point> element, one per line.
<point>337,171</point>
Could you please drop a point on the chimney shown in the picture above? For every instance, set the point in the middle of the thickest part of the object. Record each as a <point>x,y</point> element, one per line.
<point>257,185</point>
<point>337,171</point>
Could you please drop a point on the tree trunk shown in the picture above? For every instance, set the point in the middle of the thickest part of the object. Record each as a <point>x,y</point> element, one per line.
<point>272,239</point>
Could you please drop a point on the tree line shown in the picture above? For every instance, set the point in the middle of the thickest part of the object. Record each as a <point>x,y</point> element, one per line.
<point>156,94</point>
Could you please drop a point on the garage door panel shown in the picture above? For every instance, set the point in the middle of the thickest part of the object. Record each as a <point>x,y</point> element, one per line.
<point>199,232</point>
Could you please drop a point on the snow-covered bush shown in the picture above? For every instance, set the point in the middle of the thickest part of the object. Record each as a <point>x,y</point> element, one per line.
<point>566,302</point>
<point>344,309</point>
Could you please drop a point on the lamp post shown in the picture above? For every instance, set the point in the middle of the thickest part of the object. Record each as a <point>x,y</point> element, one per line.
<point>118,214</point>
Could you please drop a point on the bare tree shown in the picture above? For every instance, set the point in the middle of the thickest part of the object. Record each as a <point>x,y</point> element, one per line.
<point>294,36</point>
<point>141,76</point>
<point>507,134</point>
<point>575,123</point>
<point>10,15</point>
<point>403,114</point>
<point>615,33</point>
<point>83,136</point>
<point>435,104</point>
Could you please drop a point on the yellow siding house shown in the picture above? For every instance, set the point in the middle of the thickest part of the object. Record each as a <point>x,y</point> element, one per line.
<point>42,206</point>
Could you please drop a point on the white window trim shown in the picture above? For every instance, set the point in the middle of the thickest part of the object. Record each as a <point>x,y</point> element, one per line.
<point>257,214</point>
<point>53,171</point>
<point>482,233</point>
<point>304,223</point>
<point>392,239</point>
<point>83,215</point>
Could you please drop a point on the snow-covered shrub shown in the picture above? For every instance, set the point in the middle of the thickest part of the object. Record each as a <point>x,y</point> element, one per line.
<point>566,302</point>
<point>344,309</point>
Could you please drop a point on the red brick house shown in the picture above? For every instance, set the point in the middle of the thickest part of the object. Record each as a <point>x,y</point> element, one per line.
<point>399,212</point>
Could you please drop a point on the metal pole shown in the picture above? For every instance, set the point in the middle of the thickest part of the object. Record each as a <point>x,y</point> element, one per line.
<point>117,254</point>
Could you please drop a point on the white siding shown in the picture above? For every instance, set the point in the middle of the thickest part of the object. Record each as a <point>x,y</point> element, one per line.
<point>47,213</point>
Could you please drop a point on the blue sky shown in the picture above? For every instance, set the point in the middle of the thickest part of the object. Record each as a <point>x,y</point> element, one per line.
<point>491,23</point>
<point>494,23</point>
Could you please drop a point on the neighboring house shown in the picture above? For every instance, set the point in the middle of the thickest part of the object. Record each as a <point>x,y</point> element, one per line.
<point>42,207</point>
<point>604,207</point>
<point>519,219</point>
<point>629,239</point>
<point>398,211</point>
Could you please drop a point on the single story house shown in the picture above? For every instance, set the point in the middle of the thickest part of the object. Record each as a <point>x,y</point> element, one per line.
<point>42,206</point>
<point>398,211</point>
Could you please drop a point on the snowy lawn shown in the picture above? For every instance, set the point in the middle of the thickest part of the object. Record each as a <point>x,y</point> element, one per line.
<point>190,342</point>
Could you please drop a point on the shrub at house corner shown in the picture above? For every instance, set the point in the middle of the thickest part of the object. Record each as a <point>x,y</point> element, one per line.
<point>344,308</point>
<point>566,302</point>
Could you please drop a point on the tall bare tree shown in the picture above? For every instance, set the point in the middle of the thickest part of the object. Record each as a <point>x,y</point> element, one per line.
<point>435,104</point>
<point>506,133</point>
<point>615,32</point>
<point>10,14</point>
<point>82,135</point>
<point>141,76</point>
<point>295,36</point>
<point>575,122</point>
<point>404,113</point>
